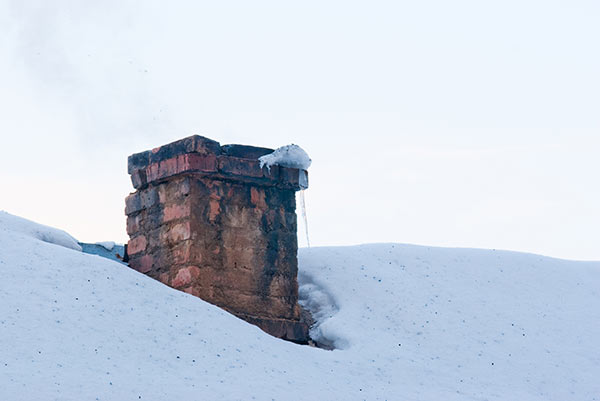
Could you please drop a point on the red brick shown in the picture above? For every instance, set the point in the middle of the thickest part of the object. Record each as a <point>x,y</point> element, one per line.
<point>176,211</point>
<point>193,144</point>
<point>180,164</point>
<point>133,225</point>
<point>136,245</point>
<point>176,233</point>
<point>143,264</point>
<point>185,276</point>
<point>164,278</point>
<point>244,167</point>
<point>257,197</point>
<point>198,162</point>
<point>182,254</point>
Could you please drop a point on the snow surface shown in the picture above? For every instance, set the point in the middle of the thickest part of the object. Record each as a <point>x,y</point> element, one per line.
<point>287,156</point>
<point>43,233</point>
<point>108,245</point>
<point>409,322</point>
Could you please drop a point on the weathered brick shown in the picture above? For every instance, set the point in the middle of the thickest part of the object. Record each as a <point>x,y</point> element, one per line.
<point>184,253</point>
<point>290,177</point>
<point>193,144</point>
<point>196,162</point>
<point>136,245</point>
<point>174,190</point>
<point>185,276</point>
<point>237,239</point>
<point>282,328</point>
<point>138,161</point>
<point>244,167</point>
<point>133,225</point>
<point>133,203</point>
<point>176,233</point>
<point>180,164</point>
<point>138,178</point>
<point>238,217</point>
<point>150,219</point>
<point>176,211</point>
<point>149,197</point>
<point>244,151</point>
<point>142,264</point>
<point>252,304</point>
<point>257,197</point>
<point>282,286</point>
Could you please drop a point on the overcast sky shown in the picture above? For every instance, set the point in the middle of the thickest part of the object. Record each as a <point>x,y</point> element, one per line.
<point>463,123</point>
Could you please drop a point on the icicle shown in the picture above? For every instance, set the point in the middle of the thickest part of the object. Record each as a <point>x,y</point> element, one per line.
<point>303,206</point>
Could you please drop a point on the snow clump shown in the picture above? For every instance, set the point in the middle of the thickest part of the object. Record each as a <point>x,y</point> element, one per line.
<point>286,156</point>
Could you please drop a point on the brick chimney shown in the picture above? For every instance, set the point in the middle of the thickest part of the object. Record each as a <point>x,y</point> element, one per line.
<point>207,220</point>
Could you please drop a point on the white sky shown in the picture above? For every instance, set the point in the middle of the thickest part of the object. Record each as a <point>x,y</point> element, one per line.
<point>464,123</point>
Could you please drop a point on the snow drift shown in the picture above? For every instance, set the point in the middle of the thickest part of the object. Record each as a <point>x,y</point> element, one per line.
<point>19,225</point>
<point>408,323</point>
